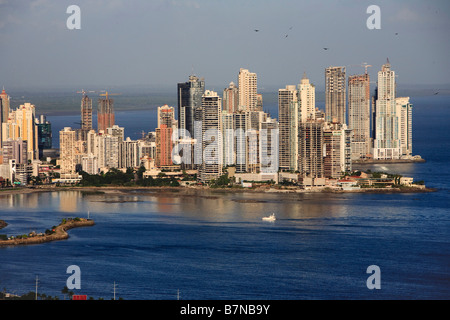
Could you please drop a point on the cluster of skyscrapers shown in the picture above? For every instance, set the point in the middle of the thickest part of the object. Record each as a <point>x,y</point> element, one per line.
<point>313,144</point>
<point>23,137</point>
<point>211,133</point>
<point>92,151</point>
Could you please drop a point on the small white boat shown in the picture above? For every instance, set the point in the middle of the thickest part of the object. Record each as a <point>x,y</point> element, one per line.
<point>270,218</point>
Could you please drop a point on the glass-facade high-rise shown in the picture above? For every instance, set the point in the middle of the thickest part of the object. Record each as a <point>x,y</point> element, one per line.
<point>189,98</point>
<point>44,129</point>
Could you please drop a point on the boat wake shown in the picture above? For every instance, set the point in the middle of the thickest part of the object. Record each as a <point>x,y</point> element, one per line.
<point>270,218</point>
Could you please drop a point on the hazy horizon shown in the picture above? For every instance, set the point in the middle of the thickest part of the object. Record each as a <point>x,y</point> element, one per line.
<point>67,101</point>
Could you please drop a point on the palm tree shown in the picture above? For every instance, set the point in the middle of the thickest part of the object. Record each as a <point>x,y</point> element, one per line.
<point>65,291</point>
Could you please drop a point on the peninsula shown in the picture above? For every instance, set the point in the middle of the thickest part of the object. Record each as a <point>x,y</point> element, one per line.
<point>57,233</point>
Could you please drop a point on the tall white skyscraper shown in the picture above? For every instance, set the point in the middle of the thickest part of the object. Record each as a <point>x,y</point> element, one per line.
<point>307,95</point>
<point>268,145</point>
<point>248,95</point>
<point>288,119</point>
<point>229,154</point>
<point>404,112</point>
<point>129,154</point>
<point>241,125</point>
<point>105,147</point>
<point>211,167</point>
<point>386,143</point>
<point>67,150</point>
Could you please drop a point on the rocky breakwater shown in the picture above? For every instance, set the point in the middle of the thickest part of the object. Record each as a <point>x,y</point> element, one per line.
<point>56,233</point>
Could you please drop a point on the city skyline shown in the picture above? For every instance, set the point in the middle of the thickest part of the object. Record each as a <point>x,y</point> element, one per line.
<point>254,149</point>
<point>310,142</point>
<point>295,106</point>
<point>162,57</point>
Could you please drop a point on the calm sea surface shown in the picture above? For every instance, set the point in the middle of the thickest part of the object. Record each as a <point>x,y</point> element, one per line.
<point>215,246</point>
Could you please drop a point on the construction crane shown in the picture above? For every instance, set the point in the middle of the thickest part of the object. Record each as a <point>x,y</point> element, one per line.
<point>365,65</point>
<point>106,94</point>
<point>84,92</point>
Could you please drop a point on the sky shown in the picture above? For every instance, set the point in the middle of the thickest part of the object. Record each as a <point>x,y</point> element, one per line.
<point>157,43</point>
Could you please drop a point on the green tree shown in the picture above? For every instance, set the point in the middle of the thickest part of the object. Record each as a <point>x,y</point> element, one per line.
<point>65,291</point>
<point>223,180</point>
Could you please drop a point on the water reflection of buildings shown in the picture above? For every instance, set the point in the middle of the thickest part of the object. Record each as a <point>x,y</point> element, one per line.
<point>68,201</point>
<point>207,206</point>
<point>29,200</point>
<point>314,208</point>
<point>166,204</point>
<point>292,206</point>
<point>234,207</point>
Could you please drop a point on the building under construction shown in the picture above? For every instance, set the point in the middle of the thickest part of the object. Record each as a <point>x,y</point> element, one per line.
<point>86,113</point>
<point>335,95</point>
<point>105,113</point>
<point>359,114</point>
<point>311,155</point>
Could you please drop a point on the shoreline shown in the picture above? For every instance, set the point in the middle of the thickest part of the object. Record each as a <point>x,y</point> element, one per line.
<point>389,161</point>
<point>196,191</point>
<point>60,234</point>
